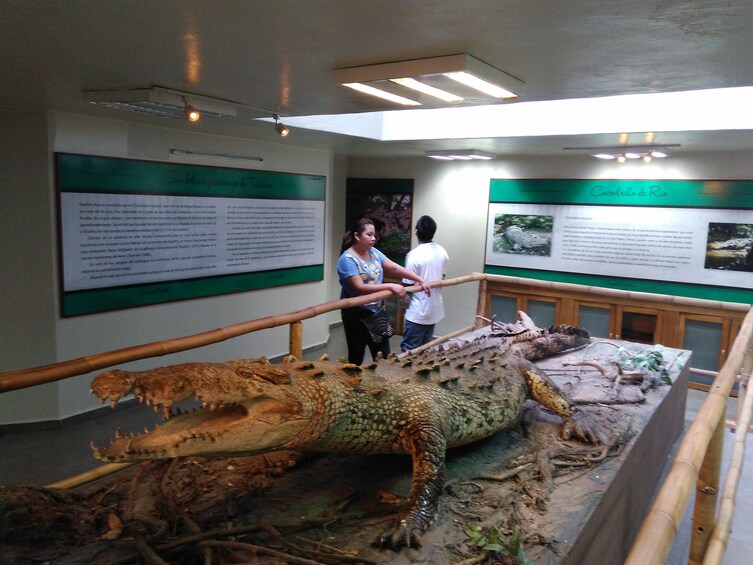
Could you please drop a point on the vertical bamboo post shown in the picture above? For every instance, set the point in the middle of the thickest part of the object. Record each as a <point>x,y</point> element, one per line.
<point>706,494</point>
<point>296,339</point>
<point>480,304</point>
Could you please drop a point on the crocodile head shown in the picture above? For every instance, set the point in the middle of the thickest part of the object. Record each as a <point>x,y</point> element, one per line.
<point>248,406</point>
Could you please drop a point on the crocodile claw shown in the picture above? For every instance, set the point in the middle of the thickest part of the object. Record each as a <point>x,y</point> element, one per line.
<point>403,534</point>
<point>581,426</point>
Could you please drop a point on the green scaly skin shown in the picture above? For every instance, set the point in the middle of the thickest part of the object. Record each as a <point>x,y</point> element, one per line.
<point>421,405</point>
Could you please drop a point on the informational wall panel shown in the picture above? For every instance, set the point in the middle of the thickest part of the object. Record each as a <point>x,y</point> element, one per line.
<point>694,236</point>
<point>143,232</point>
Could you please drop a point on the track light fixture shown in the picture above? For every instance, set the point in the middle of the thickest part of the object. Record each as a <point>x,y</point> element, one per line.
<point>281,128</point>
<point>191,113</point>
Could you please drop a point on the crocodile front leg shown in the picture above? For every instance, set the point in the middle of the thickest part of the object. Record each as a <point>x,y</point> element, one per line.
<point>427,445</point>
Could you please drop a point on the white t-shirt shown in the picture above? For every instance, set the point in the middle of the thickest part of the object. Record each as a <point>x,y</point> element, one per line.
<point>429,261</point>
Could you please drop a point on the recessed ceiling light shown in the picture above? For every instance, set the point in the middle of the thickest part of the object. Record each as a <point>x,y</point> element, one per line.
<point>452,79</point>
<point>461,155</point>
<point>366,89</point>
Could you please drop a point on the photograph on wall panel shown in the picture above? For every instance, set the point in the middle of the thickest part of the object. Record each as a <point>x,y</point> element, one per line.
<point>389,203</point>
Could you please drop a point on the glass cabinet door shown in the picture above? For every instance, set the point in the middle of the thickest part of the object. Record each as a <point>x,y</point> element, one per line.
<point>704,337</point>
<point>596,319</point>
<point>542,312</point>
<point>638,325</point>
<point>504,308</point>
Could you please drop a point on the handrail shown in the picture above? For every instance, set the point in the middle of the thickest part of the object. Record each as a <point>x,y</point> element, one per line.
<point>660,526</point>
<point>14,380</point>
<point>615,292</point>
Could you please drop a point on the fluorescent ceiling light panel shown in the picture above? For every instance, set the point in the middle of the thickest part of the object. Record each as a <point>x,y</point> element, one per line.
<point>461,155</point>
<point>481,85</point>
<point>366,89</point>
<point>161,102</point>
<point>696,110</point>
<point>427,89</point>
<point>455,79</point>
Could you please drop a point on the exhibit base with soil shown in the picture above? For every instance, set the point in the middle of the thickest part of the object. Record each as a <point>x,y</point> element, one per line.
<point>550,500</point>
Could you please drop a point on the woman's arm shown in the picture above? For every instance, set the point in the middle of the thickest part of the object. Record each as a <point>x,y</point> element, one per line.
<point>357,284</point>
<point>394,269</point>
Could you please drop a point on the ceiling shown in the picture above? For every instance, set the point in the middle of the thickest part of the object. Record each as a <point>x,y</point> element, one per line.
<point>277,56</point>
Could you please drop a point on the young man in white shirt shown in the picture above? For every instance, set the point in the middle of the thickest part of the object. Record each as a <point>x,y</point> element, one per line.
<point>429,261</point>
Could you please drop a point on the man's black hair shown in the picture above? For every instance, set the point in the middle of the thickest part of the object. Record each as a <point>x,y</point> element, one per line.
<point>426,227</point>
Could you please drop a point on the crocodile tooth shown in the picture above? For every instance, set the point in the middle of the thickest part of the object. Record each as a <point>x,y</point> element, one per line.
<point>117,433</point>
<point>166,411</point>
<point>113,403</point>
<point>324,357</point>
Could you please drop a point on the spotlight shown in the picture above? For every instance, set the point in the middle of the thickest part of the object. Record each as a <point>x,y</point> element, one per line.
<point>281,128</point>
<point>191,113</point>
<point>621,158</point>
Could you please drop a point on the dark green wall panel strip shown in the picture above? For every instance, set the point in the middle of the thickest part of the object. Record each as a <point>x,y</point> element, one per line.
<point>84,173</point>
<point>734,194</point>
<point>100,300</point>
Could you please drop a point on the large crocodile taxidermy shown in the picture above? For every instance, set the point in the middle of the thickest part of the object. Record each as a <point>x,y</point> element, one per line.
<point>421,404</point>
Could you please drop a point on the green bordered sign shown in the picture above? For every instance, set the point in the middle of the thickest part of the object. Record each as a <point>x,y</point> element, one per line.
<point>135,232</point>
<point>686,238</point>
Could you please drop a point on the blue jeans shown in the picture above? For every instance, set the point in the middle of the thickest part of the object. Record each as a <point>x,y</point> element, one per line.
<point>415,335</point>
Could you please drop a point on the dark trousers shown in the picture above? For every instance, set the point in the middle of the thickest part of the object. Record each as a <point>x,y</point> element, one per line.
<point>358,337</point>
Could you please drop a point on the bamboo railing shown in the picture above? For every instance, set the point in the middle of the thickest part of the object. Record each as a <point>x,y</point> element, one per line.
<point>660,526</point>
<point>14,380</point>
<point>658,530</point>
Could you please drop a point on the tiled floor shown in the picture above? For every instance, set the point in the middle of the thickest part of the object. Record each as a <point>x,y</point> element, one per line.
<point>45,456</point>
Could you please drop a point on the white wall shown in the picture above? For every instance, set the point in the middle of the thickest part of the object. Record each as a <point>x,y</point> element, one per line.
<point>456,195</point>
<point>70,338</point>
<point>27,315</point>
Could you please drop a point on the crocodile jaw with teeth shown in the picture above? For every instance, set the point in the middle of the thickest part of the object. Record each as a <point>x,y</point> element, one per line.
<point>224,431</point>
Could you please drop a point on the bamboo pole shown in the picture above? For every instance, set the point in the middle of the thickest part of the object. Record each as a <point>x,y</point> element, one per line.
<point>92,475</point>
<point>706,494</point>
<point>438,340</point>
<point>481,304</point>
<point>658,530</point>
<point>295,347</point>
<point>718,542</point>
<point>14,380</point>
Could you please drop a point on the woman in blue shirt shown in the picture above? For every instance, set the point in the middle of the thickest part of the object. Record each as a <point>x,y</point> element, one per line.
<point>361,269</point>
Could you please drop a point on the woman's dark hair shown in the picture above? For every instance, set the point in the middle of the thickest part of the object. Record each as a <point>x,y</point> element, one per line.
<point>359,227</point>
